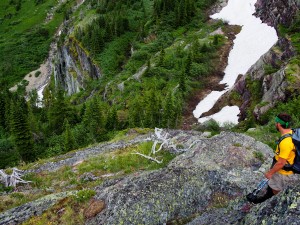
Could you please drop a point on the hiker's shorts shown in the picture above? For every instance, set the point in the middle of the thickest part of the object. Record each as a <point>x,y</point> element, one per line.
<point>279,181</point>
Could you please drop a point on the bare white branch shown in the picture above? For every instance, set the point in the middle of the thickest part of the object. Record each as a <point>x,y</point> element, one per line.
<point>163,139</point>
<point>147,157</point>
<point>13,179</point>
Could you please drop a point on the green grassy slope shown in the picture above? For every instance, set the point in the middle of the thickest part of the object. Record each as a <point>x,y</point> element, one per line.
<point>25,35</point>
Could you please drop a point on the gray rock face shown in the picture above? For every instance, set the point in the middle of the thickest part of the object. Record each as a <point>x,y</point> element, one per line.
<point>204,185</point>
<point>224,165</point>
<point>73,67</point>
<point>281,209</point>
<point>24,212</point>
<point>275,12</point>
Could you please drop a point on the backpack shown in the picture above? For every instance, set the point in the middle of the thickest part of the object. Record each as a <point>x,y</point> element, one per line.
<point>296,141</point>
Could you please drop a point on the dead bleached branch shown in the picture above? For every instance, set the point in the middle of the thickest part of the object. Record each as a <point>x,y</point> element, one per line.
<point>13,179</point>
<point>147,157</point>
<point>162,139</point>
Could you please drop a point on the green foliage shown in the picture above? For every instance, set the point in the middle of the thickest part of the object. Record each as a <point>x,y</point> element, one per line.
<point>120,37</point>
<point>9,156</point>
<point>84,195</point>
<point>35,180</point>
<point>269,69</point>
<point>59,110</point>
<point>213,126</point>
<point>25,38</point>
<point>21,132</point>
<point>94,121</point>
<point>4,189</point>
<point>113,57</point>
<point>126,161</point>
<point>259,156</point>
<point>69,140</point>
<point>37,73</point>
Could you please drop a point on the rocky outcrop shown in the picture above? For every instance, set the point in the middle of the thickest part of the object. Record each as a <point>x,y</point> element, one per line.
<point>214,171</point>
<point>24,212</point>
<point>275,12</point>
<point>205,184</point>
<point>281,209</point>
<point>73,66</point>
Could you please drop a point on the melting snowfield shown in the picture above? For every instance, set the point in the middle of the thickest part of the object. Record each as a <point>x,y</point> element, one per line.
<point>255,39</point>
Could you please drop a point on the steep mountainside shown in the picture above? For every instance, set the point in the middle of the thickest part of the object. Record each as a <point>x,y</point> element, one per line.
<point>120,69</point>
<point>204,184</point>
<point>275,76</point>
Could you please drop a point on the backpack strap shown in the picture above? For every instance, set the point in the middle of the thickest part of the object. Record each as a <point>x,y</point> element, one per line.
<point>278,142</point>
<point>281,138</point>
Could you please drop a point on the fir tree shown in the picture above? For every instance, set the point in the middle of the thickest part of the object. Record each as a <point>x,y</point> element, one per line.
<point>182,83</point>
<point>59,110</point>
<point>21,132</point>
<point>112,119</point>
<point>69,140</point>
<point>136,113</point>
<point>152,109</point>
<point>94,120</point>
<point>169,112</point>
<point>161,58</point>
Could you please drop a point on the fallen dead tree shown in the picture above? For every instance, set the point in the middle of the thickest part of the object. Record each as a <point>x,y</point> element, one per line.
<point>163,139</point>
<point>13,179</point>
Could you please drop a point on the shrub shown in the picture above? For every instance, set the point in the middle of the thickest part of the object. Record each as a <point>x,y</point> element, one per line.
<point>37,73</point>
<point>259,156</point>
<point>84,195</point>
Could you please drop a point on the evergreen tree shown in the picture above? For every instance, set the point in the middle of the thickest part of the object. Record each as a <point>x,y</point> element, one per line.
<point>136,116</point>
<point>178,110</point>
<point>147,72</point>
<point>3,108</point>
<point>112,119</point>
<point>59,110</point>
<point>169,112</point>
<point>188,65</point>
<point>21,132</point>
<point>82,112</point>
<point>216,40</point>
<point>161,58</point>
<point>69,140</point>
<point>47,98</point>
<point>94,120</point>
<point>182,83</point>
<point>152,109</point>
<point>32,120</point>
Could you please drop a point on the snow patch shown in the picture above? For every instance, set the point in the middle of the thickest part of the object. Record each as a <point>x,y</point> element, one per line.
<point>255,39</point>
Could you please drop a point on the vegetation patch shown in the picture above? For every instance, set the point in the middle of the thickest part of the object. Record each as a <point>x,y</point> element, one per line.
<point>67,211</point>
<point>126,161</point>
<point>259,156</point>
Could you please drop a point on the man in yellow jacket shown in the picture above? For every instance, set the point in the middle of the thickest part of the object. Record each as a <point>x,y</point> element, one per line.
<point>279,175</point>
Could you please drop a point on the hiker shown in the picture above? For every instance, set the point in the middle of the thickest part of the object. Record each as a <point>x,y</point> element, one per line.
<point>279,174</point>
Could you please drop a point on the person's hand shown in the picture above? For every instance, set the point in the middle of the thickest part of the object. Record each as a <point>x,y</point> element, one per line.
<point>268,175</point>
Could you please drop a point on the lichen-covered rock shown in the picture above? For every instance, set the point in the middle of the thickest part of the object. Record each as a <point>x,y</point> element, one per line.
<point>19,214</point>
<point>224,165</point>
<point>281,209</point>
<point>206,184</point>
